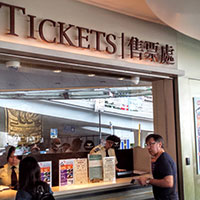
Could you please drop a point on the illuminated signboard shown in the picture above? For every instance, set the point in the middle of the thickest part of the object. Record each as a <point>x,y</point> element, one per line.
<point>71,35</point>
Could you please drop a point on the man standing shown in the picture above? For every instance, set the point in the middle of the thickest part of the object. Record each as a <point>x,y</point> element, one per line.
<point>10,171</point>
<point>163,170</point>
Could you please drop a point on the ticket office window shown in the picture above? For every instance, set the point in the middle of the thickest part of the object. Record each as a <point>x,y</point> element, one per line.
<point>80,118</point>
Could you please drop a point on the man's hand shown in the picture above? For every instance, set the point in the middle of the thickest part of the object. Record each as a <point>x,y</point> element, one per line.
<point>142,180</point>
<point>120,170</point>
<point>166,182</point>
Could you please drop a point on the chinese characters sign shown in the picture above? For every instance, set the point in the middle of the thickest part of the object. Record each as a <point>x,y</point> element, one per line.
<point>152,51</point>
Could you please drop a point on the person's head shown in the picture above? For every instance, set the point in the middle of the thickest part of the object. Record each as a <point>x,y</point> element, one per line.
<point>154,143</point>
<point>29,173</point>
<point>35,149</point>
<point>117,141</point>
<point>76,144</point>
<point>65,147</point>
<point>12,159</point>
<point>111,140</point>
<point>56,144</point>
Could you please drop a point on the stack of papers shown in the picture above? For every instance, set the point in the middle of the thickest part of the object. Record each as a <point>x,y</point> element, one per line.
<point>3,187</point>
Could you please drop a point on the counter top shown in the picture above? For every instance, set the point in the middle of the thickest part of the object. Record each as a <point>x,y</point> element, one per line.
<point>8,194</point>
<point>70,189</point>
<point>74,189</point>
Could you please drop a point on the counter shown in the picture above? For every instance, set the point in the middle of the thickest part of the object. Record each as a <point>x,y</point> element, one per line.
<point>7,194</point>
<point>92,189</point>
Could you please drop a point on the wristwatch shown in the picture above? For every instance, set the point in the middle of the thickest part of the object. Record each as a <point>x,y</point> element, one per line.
<point>148,181</point>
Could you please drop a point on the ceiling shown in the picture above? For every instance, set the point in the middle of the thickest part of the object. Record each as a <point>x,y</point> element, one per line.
<point>44,84</point>
<point>182,15</point>
<point>134,8</point>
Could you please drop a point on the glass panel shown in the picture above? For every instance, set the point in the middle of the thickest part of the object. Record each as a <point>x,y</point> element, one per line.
<point>70,121</point>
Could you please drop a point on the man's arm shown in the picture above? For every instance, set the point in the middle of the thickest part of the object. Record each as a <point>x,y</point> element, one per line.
<point>120,170</point>
<point>166,182</point>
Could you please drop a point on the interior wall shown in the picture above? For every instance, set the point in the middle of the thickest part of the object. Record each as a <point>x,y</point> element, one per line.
<point>188,86</point>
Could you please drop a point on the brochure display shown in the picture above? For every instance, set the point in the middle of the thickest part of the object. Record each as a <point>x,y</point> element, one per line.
<point>80,171</point>
<point>109,172</point>
<point>46,172</point>
<point>66,172</point>
<point>95,167</point>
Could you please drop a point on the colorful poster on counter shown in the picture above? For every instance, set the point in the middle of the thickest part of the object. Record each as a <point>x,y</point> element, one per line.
<point>95,167</point>
<point>80,171</point>
<point>66,172</point>
<point>196,102</point>
<point>46,172</point>
<point>109,174</point>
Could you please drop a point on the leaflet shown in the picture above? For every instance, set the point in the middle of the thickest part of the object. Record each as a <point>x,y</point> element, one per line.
<point>66,172</point>
<point>95,167</point>
<point>80,171</point>
<point>46,172</point>
<point>109,173</point>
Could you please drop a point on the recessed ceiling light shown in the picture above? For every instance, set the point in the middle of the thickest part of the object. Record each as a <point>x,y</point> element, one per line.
<point>91,75</point>
<point>135,79</point>
<point>121,79</point>
<point>57,71</point>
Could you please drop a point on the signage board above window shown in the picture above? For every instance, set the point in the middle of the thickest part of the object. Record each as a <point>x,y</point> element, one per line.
<point>69,35</point>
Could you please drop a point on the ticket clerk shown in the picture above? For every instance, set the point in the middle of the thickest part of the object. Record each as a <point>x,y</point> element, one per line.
<point>107,150</point>
<point>10,171</point>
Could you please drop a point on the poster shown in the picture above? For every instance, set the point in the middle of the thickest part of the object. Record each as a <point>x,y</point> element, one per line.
<point>24,125</point>
<point>196,102</point>
<point>95,167</point>
<point>46,172</point>
<point>66,172</point>
<point>109,173</point>
<point>53,133</point>
<point>80,171</point>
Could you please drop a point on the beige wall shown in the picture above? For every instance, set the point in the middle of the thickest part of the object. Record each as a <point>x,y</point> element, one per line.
<point>188,86</point>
